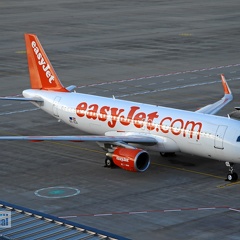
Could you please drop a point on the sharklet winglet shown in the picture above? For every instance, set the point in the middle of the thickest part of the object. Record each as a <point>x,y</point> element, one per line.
<point>225,85</point>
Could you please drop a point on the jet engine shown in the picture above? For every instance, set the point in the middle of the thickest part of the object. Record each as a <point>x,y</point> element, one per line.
<point>135,160</point>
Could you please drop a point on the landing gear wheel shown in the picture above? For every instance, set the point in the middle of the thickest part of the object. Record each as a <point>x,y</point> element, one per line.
<point>163,154</point>
<point>232,176</point>
<point>109,162</point>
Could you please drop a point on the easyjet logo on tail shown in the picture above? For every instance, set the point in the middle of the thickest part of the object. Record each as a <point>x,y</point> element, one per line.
<point>42,63</point>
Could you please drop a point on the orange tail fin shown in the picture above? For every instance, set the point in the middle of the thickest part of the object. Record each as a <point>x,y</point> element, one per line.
<point>42,74</point>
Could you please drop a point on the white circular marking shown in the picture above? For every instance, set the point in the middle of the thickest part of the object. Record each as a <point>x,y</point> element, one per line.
<point>57,192</point>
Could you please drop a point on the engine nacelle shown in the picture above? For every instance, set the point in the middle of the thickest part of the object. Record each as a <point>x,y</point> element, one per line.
<point>135,160</point>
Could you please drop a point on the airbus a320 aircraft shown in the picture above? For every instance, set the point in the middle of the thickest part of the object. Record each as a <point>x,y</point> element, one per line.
<point>128,130</point>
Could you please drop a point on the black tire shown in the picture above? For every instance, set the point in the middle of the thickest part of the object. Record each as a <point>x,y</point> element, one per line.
<point>232,177</point>
<point>235,176</point>
<point>109,162</point>
<point>167,154</point>
<point>163,154</point>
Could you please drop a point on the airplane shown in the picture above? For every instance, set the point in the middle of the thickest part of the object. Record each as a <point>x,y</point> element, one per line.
<point>127,130</point>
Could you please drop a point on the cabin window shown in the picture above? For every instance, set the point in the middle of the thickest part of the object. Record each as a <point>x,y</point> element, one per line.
<point>238,139</point>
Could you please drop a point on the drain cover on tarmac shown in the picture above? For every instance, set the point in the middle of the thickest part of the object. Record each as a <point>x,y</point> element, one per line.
<point>57,192</point>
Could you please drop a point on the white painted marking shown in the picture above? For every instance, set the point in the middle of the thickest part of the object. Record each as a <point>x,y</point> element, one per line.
<point>166,82</point>
<point>137,212</point>
<point>181,79</point>
<point>152,211</point>
<point>38,192</point>
<point>233,209</point>
<point>6,105</point>
<point>151,84</point>
<point>206,208</point>
<point>173,210</point>
<point>123,88</point>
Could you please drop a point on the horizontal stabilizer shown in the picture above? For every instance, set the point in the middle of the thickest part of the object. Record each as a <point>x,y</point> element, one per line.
<point>22,99</point>
<point>70,88</point>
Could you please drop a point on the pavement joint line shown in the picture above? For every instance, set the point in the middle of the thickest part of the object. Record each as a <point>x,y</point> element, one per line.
<point>187,170</point>
<point>228,184</point>
<point>77,147</point>
<point>103,214</point>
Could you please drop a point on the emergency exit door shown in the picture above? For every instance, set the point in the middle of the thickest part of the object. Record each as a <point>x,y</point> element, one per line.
<point>219,136</point>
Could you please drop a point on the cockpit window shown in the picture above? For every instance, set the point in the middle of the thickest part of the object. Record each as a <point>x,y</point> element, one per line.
<point>238,139</point>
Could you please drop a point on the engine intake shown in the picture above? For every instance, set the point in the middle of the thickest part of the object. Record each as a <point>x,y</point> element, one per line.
<point>135,160</point>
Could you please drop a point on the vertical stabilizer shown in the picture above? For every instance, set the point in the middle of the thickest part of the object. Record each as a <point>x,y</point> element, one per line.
<point>42,74</point>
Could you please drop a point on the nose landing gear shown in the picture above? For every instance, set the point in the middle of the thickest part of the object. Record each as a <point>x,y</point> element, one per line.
<point>232,176</point>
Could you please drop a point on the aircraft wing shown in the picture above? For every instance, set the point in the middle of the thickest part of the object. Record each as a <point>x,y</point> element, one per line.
<point>126,139</point>
<point>217,106</point>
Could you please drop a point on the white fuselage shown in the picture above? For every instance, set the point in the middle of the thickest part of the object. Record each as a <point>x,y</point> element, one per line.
<point>200,134</point>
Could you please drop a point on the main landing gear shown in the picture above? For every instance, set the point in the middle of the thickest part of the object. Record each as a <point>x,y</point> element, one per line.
<point>109,162</point>
<point>167,154</point>
<point>232,176</point>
